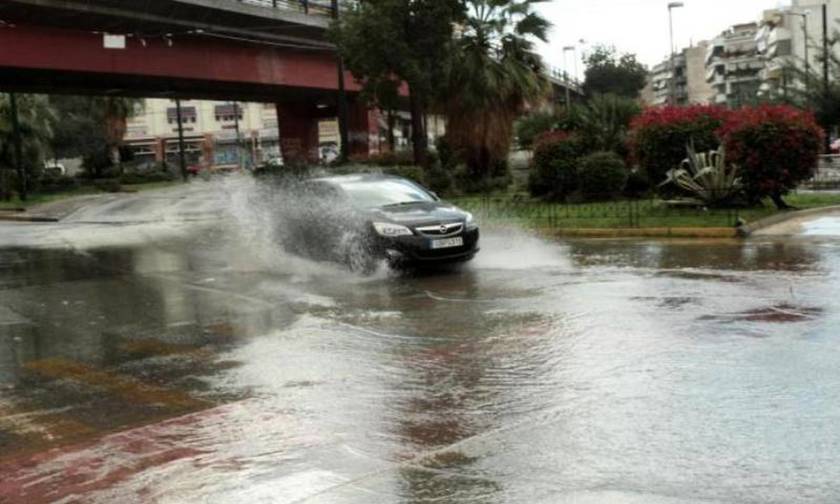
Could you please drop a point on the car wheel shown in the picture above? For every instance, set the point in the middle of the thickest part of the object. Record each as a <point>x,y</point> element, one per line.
<point>358,258</point>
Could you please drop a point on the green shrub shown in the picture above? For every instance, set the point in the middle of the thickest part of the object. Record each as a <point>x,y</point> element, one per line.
<point>530,127</point>
<point>638,184</point>
<point>56,184</point>
<point>554,173</point>
<point>414,173</point>
<point>602,175</point>
<point>468,181</point>
<point>145,177</point>
<point>398,158</point>
<point>659,135</point>
<point>107,185</point>
<point>438,179</point>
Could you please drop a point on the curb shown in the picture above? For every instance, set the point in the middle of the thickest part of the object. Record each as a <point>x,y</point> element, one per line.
<point>25,218</point>
<point>748,229</point>
<point>711,232</point>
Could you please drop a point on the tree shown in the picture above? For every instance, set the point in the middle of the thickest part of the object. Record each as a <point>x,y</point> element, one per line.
<point>609,72</point>
<point>387,42</point>
<point>494,73</point>
<point>604,121</point>
<point>92,128</point>
<point>36,119</point>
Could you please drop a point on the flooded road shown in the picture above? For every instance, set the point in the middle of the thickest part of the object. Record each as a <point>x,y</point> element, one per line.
<point>184,359</point>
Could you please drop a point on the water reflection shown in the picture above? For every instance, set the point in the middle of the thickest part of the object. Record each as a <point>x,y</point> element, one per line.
<point>608,371</point>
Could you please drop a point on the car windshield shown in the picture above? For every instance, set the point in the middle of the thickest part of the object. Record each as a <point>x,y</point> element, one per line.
<point>385,192</point>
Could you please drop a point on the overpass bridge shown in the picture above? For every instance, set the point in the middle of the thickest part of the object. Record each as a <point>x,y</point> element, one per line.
<point>271,51</point>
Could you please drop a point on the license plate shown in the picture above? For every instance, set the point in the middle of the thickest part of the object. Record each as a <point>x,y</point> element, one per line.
<point>448,243</point>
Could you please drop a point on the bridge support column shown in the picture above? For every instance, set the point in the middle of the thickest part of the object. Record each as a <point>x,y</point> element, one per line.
<point>363,130</point>
<point>298,128</point>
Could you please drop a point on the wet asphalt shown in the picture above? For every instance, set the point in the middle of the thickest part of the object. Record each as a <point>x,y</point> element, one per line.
<point>161,348</point>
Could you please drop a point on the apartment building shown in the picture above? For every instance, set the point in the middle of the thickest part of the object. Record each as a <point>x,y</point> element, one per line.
<point>685,77</point>
<point>734,66</point>
<point>790,40</point>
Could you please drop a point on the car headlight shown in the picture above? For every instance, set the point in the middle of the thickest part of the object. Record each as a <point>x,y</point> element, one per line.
<point>470,221</point>
<point>391,230</point>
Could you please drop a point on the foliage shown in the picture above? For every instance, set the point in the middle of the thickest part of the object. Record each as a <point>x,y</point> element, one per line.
<point>707,176</point>
<point>776,146</point>
<point>638,185</point>
<point>554,170</point>
<point>604,121</point>
<point>494,72</point>
<point>92,128</point>
<point>36,119</point>
<point>110,185</point>
<point>601,175</point>
<point>607,72</point>
<point>391,158</point>
<point>146,177</point>
<point>388,41</point>
<point>529,127</point>
<point>658,136</point>
<point>438,179</point>
<point>56,184</point>
<point>415,173</point>
<point>498,180</point>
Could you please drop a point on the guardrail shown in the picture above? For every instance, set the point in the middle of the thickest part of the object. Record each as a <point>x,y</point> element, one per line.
<point>317,8</point>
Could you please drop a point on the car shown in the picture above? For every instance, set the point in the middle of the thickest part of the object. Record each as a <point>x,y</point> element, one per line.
<point>328,152</point>
<point>362,219</point>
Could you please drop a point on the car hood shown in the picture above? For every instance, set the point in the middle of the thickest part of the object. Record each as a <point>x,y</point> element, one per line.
<point>430,212</point>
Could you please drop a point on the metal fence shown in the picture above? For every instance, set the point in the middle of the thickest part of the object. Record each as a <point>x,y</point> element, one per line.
<point>318,8</point>
<point>610,214</point>
<point>827,175</point>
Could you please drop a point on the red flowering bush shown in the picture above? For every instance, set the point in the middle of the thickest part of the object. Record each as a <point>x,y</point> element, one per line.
<point>658,137</point>
<point>554,167</point>
<point>775,147</point>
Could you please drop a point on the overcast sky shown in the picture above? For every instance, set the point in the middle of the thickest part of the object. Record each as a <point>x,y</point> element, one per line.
<point>641,26</point>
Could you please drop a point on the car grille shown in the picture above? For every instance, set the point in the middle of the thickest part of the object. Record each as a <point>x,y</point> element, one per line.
<point>441,230</point>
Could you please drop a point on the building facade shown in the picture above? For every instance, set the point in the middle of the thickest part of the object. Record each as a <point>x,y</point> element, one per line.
<point>216,134</point>
<point>790,42</point>
<point>734,66</point>
<point>684,78</point>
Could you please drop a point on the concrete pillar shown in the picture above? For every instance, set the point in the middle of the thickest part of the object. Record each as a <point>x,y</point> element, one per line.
<point>363,130</point>
<point>298,127</point>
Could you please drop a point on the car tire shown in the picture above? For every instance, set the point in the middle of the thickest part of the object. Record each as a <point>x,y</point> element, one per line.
<point>358,257</point>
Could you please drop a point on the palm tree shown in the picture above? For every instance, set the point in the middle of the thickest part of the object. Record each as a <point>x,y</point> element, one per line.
<point>495,73</point>
<point>35,119</point>
<point>115,113</point>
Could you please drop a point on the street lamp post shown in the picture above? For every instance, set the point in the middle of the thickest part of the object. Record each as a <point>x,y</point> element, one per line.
<point>673,87</point>
<point>566,75</point>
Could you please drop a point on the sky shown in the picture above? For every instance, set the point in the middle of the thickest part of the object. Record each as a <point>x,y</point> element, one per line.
<point>640,26</point>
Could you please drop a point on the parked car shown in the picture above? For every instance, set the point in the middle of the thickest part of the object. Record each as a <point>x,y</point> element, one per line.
<point>328,152</point>
<point>54,169</point>
<point>359,220</point>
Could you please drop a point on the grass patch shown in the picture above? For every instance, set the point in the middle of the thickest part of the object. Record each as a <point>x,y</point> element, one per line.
<point>526,212</point>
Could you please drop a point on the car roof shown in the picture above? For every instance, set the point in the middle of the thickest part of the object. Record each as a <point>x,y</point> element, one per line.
<point>356,177</point>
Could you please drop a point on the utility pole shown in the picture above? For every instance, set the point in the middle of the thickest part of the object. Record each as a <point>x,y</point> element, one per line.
<point>673,81</point>
<point>568,81</point>
<point>23,183</point>
<point>342,99</point>
<point>182,159</point>
<point>238,138</point>
<point>825,68</point>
